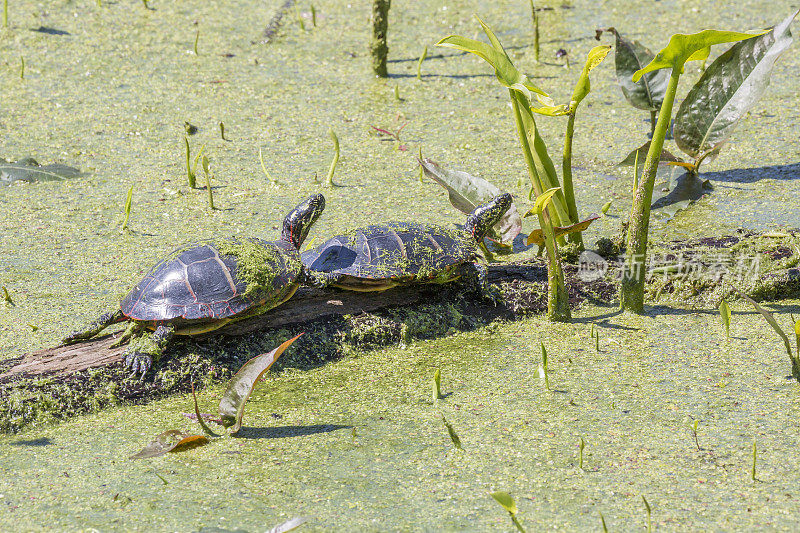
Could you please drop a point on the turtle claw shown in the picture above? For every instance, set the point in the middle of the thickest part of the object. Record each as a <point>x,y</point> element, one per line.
<point>138,362</point>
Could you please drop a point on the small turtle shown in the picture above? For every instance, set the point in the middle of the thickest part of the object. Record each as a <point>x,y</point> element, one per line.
<point>204,285</point>
<point>379,257</point>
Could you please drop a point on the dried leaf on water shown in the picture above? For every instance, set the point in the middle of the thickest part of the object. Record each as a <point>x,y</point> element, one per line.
<point>172,440</point>
<point>231,406</point>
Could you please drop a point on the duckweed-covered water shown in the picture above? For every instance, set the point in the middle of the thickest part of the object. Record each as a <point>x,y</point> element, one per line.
<point>357,444</point>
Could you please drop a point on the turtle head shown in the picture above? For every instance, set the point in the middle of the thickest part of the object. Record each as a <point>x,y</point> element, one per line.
<point>487,215</point>
<point>298,222</point>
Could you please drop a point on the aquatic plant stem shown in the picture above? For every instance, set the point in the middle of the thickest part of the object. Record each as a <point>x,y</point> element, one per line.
<point>190,177</point>
<point>196,38</point>
<point>633,277</point>
<point>5,13</point>
<point>535,32</point>
<point>653,120</point>
<point>539,185</point>
<point>419,63</point>
<point>128,201</point>
<point>566,174</point>
<point>380,27</point>
<point>335,161</point>
<point>557,297</point>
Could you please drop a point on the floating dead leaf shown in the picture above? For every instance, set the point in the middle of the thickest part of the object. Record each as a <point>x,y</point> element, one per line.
<point>231,406</point>
<point>173,440</point>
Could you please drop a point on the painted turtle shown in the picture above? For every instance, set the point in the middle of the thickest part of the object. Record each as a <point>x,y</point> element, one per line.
<point>204,285</point>
<point>379,257</point>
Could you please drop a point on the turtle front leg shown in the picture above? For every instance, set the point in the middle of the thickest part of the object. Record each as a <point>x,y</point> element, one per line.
<point>146,348</point>
<point>318,280</point>
<point>476,277</point>
<point>105,320</point>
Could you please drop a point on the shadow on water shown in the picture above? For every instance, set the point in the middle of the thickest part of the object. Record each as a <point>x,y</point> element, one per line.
<point>41,441</point>
<point>752,175</point>
<point>282,432</point>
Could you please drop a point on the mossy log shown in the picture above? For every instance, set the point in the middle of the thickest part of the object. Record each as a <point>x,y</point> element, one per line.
<point>307,305</point>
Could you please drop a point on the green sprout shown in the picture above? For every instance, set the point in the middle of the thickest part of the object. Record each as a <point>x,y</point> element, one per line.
<point>421,168</point>
<point>681,49</point>
<point>694,433</point>
<point>222,130</point>
<point>128,201</point>
<point>5,13</point>
<point>196,38</point>
<point>725,317</point>
<point>313,16</point>
<point>7,297</point>
<point>543,375</point>
<point>419,63</point>
<point>596,336</point>
<point>335,161</point>
<point>397,93</point>
<point>606,207</point>
<point>146,4</point>
<point>299,17</point>
<point>264,168</point>
<point>603,521</point>
<point>581,446</point>
<point>190,176</point>
<point>21,68</point>
<point>535,32</point>
<point>507,502</point>
<point>649,513</point>
<point>753,469</point>
<point>436,385</point>
<point>208,183</point>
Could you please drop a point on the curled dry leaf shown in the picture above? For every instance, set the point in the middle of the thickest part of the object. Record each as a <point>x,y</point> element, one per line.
<point>537,236</point>
<point>231,406</point>
<point>172,440</point>
<point>466,192</point>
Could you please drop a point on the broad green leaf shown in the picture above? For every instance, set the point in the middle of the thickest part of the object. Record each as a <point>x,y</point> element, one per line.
<point>692,47</point>
<point>630,159</point>
<point>595,57</point>
<point>171,441</point>
<point>30,170</point>
<point>727,90</point>
<point>231,406</point>
<point>466,192</point>
<point>496,56</point>
<point>541,201</point>
<point>537,236</point>
<point>725,316</point>
<point>630,56</point>
<point>770,320</point>
<point>505,500</point>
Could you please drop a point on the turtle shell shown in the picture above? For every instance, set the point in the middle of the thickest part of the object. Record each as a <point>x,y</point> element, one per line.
<point>215,279</point>
<point>399,251</point>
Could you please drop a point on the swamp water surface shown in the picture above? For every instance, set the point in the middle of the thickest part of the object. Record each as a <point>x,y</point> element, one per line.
<point>357,444</point>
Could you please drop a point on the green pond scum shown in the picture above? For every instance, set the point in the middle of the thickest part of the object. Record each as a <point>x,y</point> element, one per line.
<point>117,88</point>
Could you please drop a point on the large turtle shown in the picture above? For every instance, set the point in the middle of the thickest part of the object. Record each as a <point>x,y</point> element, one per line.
<point>204,285</point>
<point>382,256</point>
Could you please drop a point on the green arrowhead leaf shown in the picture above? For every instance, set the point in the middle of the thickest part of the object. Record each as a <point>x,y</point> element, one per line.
<point>692,47</point>
<point>727,90</point>
<point>541,201</point>
<point>630,56</point>
<point>595,57</point>
<point>496,56</point>
<point>505,500</point>
<point>466,192</point>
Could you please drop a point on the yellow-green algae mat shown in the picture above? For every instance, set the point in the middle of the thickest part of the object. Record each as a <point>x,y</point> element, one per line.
<point>360,444</point>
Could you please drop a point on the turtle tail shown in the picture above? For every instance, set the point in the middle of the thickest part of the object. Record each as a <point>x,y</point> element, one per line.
<point>480,221</point>
<point>105,320</point>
